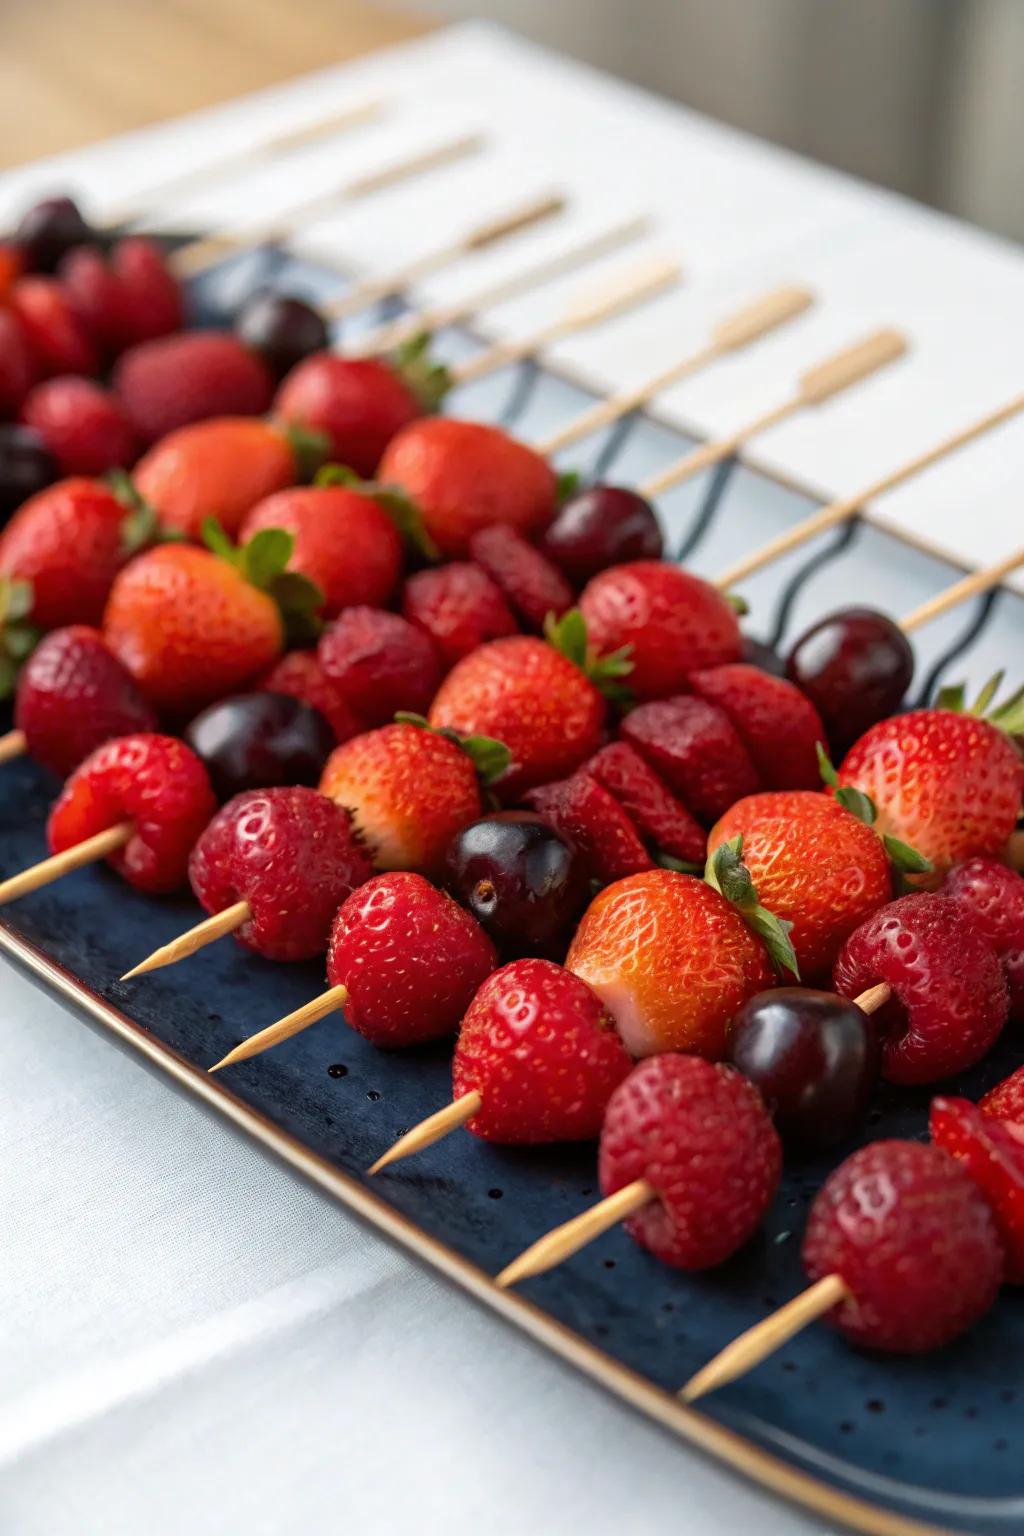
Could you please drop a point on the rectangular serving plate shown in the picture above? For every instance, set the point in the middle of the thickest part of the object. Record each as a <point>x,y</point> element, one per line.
<point>878,1444</point>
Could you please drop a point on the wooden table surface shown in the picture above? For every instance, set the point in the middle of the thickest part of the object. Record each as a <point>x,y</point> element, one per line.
<point>73,71</point>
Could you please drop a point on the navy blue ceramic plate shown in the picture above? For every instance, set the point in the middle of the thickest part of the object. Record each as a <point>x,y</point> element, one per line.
<point>873,1442</point>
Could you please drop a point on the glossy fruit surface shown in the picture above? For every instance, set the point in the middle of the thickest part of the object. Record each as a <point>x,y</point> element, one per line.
<point>994,896</point>
<point>51,228</point>
<point>855,666</point>
<point>299,674</point>
<point>815,1058</point>
<point>344,542</point>
<point>218,468</point>
<point>588,816</point>
<point>26,467</point>
<point>524,884</point>
<point>600,526</point>
<point>777,724</point>
<point>694,747</point>
<point>255,740</point>
<point>358,403</point>
<point>380,664</point>
<point>993,1154</point>
<point>69,541</point>
<point>282,329</point>
<point>73,695</point>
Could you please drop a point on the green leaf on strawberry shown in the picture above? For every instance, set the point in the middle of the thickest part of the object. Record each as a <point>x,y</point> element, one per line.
<point>904,858</point>
<point>726,872</point>
<point>401,509</point>
<point>17,637</point>
<point>853,800</point>
<point>738,604</point>
<point>489,757</point>
<point>141,526</point>
<point>263,563</point>
<point>428,379</point>
<point>567,484</point>
<point>1007,717</point>
<point>568,635</point>
<point>309,448</point>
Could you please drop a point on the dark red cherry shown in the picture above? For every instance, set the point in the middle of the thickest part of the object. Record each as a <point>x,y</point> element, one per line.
<point>855,666</point>
<point>815,1058</point>
<point>281,329</point>
<point>602,526</point>
<point>525,885</point>
<point>49,230</point>
<point>259,740</point>
<point>26,466</point>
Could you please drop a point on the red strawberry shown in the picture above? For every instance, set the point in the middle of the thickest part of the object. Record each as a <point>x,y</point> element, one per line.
<point>94,292</point>
<point>585,814</point>
<point>69,541</point>
<point>358,403</point>
<point>410,958</point>
<point>291,854</point>
<point>300,674</point>
<point>949,1001</point>
<point>673,622</point>
<point>660,819</point>
<point>778,725</point>
<point>542,1051</point>
<point>948,784</point>
<point>154,782</point>
<point>993,1155</point>
<point>994,896</point>
<point>60,342</point>
<point>459,607</point>
<point>175,380</point>
<point>696,749</point>
<point>18,366</point>
<point>700,1135</point>
<point>12,266</point>
<point>464,476</point>
<point>379,663</point>
<point>218,468</point>
<point>1006,1100</point>
<point>151,297</point>
<point>73,695</point>
<point>345,542</point>
<point>534,588</point>
<point>84,426</point>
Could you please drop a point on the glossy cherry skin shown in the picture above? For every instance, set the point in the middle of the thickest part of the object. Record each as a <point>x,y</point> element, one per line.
<point>26,466</point>
<point>281,329</point>
<point>525,885</point>
<point>855,666</point>
<point>260,740</point>
<point>48,230</point>
<point>602,526</point>
<point>815,1058</point>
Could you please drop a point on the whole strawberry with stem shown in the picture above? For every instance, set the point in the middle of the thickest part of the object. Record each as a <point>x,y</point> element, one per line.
<point>358,404</point>
<point>291,855</point>
<point>994,897</point>
<point>993,1154</point>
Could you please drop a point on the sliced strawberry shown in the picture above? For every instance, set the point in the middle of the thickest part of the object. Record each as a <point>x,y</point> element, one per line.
<point>993,1154</point>
<point>533,587</point>
<point>696,749</point>
<point>582,810</point>
<point>459,607</point>
<point>1006,1100</point>
<point>778,725</point>
<point>650,805</point>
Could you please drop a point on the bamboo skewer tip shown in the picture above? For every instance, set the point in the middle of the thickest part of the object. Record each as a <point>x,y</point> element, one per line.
<point>283,1029</point>
<point>432,1129</point>
<point>563,1241</point>
<point>207,932</point>
<point>757,1343</point>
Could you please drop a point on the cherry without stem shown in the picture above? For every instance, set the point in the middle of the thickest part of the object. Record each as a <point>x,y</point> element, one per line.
<point>525,885</point>
<point>601,526</point>
<point>49,230</point>
<point>855,666</point>
<point>26,466</point>
<point>259,741</point>
<point>283,330</point>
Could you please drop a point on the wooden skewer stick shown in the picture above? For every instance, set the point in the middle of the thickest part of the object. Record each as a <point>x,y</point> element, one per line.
<point>431,1129</point>
<point>840,511</point>
<point>195,257</point>
<point>283,1029</point>
<point>369,289</point>
<point>622,292</point>
<point>837,373</point>
<point>969,586</point>
<point>46,871</point>
<point>737,330</point>
<point>227,921</point>
<point>385,338</point>
<point>12,745</point>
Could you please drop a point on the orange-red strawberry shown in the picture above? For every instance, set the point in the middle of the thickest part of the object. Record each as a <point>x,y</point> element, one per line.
<point>778,725</point>
<point>357,403</point>
<point>464,476</point>
<point>218,468</point>
<point>671,959</point>
<point>815,865</point>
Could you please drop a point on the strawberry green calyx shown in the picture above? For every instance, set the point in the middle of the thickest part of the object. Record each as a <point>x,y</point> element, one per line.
<point>567,484</point>
<point>309,448</point>
<point>738,604</point>
<point>401,509</point>
<point>263,563</point>
<point>1007,717</point>
<point>17,637</point>
<point>726,872</point>
<point>489,757</point>
<point>568,636</point>
<point>428,379</point>
<point>906,860</point>
<point>141,527</point>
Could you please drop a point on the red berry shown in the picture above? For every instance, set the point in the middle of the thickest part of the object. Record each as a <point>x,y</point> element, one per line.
<point>532,586</point>
<point>779,727</point>
<point>855,666</point>
<point>994,896</point>
<point>154,782</point>
<point>949,1000</point>
<point>660,819</point>
<point>69,541</point>
<point>700,1135</point>
<point>459,607</point>
<point>673,622</point>
<point>49,229</point>
<point>59,340</point>
<point>360,403</point>
<point>176,380</point>
<point>582,811</point>
<point>291,854</point>
<point>696,749</point>
<point>1006,1100</point>
<point>299,674</point>
<point>94,291</point>
<point>84,426</point>
<point>600,526</point>
<point>151,296</point>
<point>542,1051</point>
<point>380,663</point>
<point>18,367</point>
<point>73,695</point>
<point>345,542</point>
<point>410,957</point>
<point>915,1242</point>
<point>993,1154</point>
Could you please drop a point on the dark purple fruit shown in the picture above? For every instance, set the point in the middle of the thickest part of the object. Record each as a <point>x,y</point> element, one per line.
<point>259,740</point>
<point>26,466</point>
<point>49,230</point>
<point>602,526</point>
<point>855,666</point>
<point>757,654</point>
<point>282,330</point>
<point>815,1058</point>
<point>523,883</point>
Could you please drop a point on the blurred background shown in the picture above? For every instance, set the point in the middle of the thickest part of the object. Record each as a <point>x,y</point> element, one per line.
<point>924,96</point>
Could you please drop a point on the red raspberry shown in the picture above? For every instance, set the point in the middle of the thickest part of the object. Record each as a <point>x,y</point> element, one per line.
<point>949,999</point>
<point>156,783</point>
<point>151,296</point>
<point>702,1138</point>
<point>344,542</point>
<point>543,1053</point>
<point>673,621</point>
<point>658,816</point>
<point>58,338</point>
<point>914,1240</point>
<point>175,380</point>
<point>360,403</point>
<point>292,855</point>
<point>299,674</point>
<point>696,749</point>
<point>778,725</point>
<point>84,426</point>
<point>459,607</point>
<point>380,663</point>
<point>1006,1100</point>
<point>410,957</point>
<point>993,1154</point>
<point>582,811</point>
<point>532,586</point>
<point>73,695</point>
<point>994,896</point>
<point>17,364</point>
